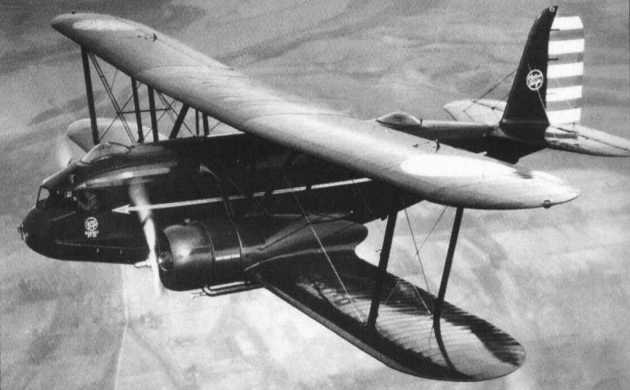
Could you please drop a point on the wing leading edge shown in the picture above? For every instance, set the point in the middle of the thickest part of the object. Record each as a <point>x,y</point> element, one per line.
<point>442,175</point>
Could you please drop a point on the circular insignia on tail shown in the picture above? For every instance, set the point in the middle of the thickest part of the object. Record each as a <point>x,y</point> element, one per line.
<point>535,79</point>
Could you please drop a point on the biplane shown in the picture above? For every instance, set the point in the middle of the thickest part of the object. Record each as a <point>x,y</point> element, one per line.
<point>280,199</point>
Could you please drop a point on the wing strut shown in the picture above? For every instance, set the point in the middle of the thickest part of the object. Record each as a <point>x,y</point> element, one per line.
<point>383,260</point>
<point>137,109</point>
<point>90,94</point>
<point>110,93</point>
<point>437,310</point>
<point>154,122</point>
<point>206,129</point>
<point>178,122</point>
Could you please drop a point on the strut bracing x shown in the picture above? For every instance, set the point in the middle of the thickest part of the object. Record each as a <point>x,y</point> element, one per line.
<point>112,98</point>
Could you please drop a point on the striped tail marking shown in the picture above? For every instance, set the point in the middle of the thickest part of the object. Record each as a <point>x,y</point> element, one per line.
<point>565,70</point>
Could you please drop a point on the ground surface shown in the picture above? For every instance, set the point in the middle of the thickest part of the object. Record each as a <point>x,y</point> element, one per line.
<point>558,280</point>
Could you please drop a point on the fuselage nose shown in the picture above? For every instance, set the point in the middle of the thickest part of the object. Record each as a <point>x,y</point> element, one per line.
<point>36,231</point>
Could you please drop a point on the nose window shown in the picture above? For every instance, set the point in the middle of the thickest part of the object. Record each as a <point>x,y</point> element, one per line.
<point>42,196</point>
<point>55,198</point>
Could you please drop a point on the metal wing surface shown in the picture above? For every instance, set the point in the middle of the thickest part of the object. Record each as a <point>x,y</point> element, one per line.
<point>446,175</point>
<point>336,288</point>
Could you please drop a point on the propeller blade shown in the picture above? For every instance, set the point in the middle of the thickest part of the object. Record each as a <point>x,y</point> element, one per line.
<point>139,197</point>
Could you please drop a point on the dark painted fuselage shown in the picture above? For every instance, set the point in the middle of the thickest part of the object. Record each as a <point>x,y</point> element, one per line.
<point>85,212</point>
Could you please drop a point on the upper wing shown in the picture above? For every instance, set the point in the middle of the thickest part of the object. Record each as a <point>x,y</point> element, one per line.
<point>446,176</point>
<point>336,289</point>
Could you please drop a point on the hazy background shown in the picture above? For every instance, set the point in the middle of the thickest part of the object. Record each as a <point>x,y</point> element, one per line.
<point>557,280</point>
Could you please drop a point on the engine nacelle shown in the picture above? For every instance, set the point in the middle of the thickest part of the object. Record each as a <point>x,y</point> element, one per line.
<point>200,254</point>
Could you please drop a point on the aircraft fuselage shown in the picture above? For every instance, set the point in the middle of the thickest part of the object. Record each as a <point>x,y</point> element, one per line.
<point>234,183</point>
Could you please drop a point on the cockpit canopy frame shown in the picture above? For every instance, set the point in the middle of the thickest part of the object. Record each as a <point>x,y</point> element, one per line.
<point>103,151</point>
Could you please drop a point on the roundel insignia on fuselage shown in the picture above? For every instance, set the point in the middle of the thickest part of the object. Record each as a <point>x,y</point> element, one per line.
<point>91,227</point>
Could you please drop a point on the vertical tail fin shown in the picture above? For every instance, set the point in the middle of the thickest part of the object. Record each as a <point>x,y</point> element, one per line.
<point>547,87</point>
<point>527,99</point>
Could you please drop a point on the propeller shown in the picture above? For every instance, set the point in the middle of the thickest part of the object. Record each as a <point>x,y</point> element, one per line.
<point>138,195</point>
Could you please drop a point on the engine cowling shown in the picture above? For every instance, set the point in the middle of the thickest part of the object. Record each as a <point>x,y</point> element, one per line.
<point>216,252</point>
<point>198,254</point>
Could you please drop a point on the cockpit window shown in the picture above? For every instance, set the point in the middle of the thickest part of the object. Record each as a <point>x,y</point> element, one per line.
<point>106,150</point>
<point>55,198</point>
<point>42,196</point>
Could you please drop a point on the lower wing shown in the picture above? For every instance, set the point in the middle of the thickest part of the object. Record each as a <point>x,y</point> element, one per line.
<point>336,288</point>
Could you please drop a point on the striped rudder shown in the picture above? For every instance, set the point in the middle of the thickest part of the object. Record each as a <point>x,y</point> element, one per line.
<point>565,70</point>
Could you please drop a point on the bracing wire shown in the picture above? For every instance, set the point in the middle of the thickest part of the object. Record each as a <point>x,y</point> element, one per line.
<point>113,82</point>
<point>166,109</point>
<point>490,90</point>
<point>415,245</point>
<point>326,255</point>
<point>417,252</point>
<point>259,205</point>
<point>437,221</point>
<point>111,96</point>
<point>108,128</point>
<point>173,113</point>
<point>357,190</point>
<point>418,249</point>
